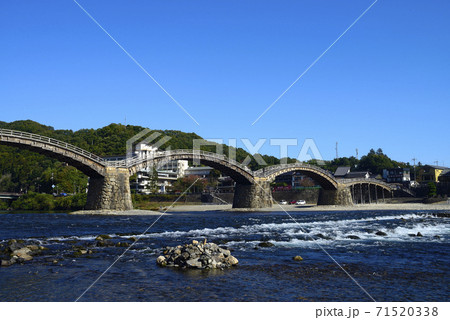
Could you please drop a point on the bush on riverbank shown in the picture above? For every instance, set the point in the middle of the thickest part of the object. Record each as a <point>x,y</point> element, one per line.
<point>3,205</point>
<point>156,201</point>
<point>47,202</point>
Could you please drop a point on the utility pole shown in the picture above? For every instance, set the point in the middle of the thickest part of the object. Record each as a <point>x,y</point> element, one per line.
<point>414,166</point>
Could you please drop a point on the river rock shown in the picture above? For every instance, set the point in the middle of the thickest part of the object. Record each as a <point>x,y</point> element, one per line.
<point>161,260</point>
<point>266,244</point>
<point>122,244</point>
<point>13,245</point>
<point>231,260</point>
<point>381,233</point>
<point>103,237</point>
<point>197,255</point>
<point>353,237</point>
<point>7,263</point>
<point>297,258</point>
<point>194,263</point>
<point>104,243</point>
<point>321,236</point>
<point>22,254</point>
<point>419,234</point>
<point>33,247</point>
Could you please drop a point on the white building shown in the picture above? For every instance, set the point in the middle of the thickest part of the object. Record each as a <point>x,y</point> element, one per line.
<point>202,172</point>
<point>168,172</point>
<point>144,150</point>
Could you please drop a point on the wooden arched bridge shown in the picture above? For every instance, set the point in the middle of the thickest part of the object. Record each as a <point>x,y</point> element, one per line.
<point>109,186</point>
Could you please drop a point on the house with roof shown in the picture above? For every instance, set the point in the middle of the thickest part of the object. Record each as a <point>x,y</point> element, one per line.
<point>445,177</point>
<point>345,173</point>
<point>431,173</point>
<point>397,175</point>
<point>358,175</point>
<point>341,172</point>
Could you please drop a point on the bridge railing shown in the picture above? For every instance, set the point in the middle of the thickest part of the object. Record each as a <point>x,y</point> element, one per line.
<point>195,153</point>
<point>364,180</point>
<point>51,141</point>
<point>267,171</point>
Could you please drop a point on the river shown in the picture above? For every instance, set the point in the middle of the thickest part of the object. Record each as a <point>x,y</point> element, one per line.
<point>393,265</point>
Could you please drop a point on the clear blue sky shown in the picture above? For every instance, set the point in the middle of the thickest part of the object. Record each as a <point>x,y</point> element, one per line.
<point>385,84</point>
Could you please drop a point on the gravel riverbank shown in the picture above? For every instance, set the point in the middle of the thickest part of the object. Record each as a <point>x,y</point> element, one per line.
<point>274,208</point>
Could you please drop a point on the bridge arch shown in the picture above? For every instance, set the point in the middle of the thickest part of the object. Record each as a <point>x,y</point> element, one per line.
<point>367,190</point>
<point>109,187</point>
<point>234,169</point>
<point>86,162</point>
<point>325,179</point>
<point>374,182</point>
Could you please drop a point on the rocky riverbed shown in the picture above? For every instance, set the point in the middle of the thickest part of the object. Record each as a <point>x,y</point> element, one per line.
<point>18,252</point>
<point>197,255</point>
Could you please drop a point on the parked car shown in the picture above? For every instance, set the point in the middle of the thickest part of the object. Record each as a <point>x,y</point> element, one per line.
<point>300,202</point>
<point>292,202</point>
<point>283,202</point>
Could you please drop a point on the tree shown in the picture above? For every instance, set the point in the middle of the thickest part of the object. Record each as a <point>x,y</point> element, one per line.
<point>154,181</point>
<point>375,162</point>
<point>194,183</point>
<point>432,191</point>
<point>306,182</point>
<point>331,166</point>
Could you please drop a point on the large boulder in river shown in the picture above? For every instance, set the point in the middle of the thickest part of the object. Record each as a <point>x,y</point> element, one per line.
<point>197,256</point>
<point>22,254</point>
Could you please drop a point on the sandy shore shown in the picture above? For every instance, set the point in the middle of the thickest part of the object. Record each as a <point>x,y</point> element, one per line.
<point>290,208</point>
<point>275,208</point>
<point>135,212</point>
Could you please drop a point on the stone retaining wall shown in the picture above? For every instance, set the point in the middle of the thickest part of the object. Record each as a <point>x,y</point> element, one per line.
<point>311,196</point>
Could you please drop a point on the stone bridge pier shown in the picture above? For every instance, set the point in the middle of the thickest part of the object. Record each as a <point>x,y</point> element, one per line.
<point>339,197</point>
<point>110,192</point>
<point>256,195</point>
